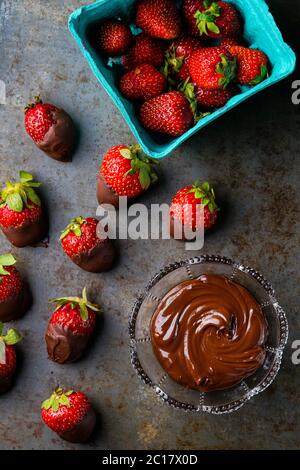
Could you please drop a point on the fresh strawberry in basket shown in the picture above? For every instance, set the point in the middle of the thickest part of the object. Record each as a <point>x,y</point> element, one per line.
<point>112,38</point>
<point>252,65</point>
<point>143,83</point>
<point>177,57</point>
<point>145,50</point>
<point>159,18</point>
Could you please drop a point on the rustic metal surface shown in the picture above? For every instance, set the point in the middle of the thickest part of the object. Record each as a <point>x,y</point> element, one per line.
<point>252,157</point>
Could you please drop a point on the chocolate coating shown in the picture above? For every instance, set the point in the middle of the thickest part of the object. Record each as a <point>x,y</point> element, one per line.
<point>105,195</point>
<point>15,307</point>
<point>209,333</point>
<point>59,142</point>
<point>83,430</point>
<point>27,234</point>
<point>6,383</point>
<point>63,345</point>
<point>97,260</point>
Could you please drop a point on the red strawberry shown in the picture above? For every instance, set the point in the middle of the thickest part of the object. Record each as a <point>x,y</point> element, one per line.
<point>14,293</point>
<point>145,50</point>
<point>8,357</point>
<point>226,43</point>
<point>124,171</point>
<point>70,415</point>
<point>87,245</point>
<point>211,18</point>
<point>51,128</point>
<point>169,114</point>
<point>186,202</point>
<point>70,328</point>
<point>159,18</point>
<point>113,38</point>
<point>252,65</point>
<point>210,99</point>
<point>142,83</point>
<point>212,68</point>
<point>21,214</point>
<point>177,57</point>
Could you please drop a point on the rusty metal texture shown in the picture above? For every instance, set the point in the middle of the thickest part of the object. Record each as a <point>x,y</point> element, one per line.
<point>252,158</point>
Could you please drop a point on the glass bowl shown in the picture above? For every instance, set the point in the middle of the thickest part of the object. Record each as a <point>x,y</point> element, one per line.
<point>148,367</point>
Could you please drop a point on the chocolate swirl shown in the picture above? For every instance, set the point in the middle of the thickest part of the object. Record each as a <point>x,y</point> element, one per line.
<point>209,333</point>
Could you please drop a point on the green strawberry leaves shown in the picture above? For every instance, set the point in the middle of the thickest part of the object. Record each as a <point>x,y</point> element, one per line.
<point>264,73</point>
<point>6,260</point>
<point>140,164</point>
<point>12,337</point>
<point>188,89</point>
<point>227,69</point>
<point>205,20</point>
<point>57,399</point>
<point>74,227</point>
<point>19,195</point>
<point>172,64</point>
<point>83,303</point>
<point>206,193</point>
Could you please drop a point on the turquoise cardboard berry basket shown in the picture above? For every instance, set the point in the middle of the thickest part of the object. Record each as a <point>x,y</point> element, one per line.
<point>260,31</point>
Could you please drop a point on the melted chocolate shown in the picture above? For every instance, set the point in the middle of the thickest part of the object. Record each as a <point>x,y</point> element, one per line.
<point>27,234</point>
<point>83,430</point>
<point>63,346</point>
<point>209,333</point>
<point>97,260</point>
<point>15,307</point>
<point>59,142</point>
<point>105,195</point>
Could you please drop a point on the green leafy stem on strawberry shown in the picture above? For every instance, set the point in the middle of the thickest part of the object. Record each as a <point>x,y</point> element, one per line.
<point>188,88</point>
<point>37,100</point>
<point>19,195</point>
<point>261,77</point>
<point>6,260</point>
<point>58,398</point>
<point>205,20</point>
<point>227,69</point>
<point>82,302</point>
<point>172,64</point>
<point>73,227</point>
<point>206,193</point>
<point>142,164</point>
<point>12,337</point>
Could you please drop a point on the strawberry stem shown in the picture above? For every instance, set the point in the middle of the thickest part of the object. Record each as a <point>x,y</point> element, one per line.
<point>83,303</point>
<point>6,260</point>
<point>58,398</point>
<point>17,195</point>
<point>37,100</point>
<point>206,193</point>
<point>12,337</point>
<point>142,164</point>
<point>205,20</point>
<point>73,227</point>
<point>227,69</point>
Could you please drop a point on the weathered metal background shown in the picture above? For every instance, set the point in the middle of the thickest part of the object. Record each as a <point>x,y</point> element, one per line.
<point>252,157</point>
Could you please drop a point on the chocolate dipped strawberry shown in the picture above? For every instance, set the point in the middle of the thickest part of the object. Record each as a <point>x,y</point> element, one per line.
<point>22,218</point>
<point>15,297</point>
<point>184,210</point>
<point>70,415</point>
<point>8,358</point>
<point>70,328</point>
<point>51,129</point>
<point>124,171</point>
<point>85,242</point>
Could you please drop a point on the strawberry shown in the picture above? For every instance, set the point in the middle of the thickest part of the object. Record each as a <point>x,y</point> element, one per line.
<point>212,68</point>
<point>113,38</point>
<point>203,100</point>
<point>210,99</point>
<point>159,18</point>
<point>70,328</point>
<point>51,128</point>
<point>69,414</point>
<point>186,202</point>
<point>86,244</point>
<point>124,171</point>
<point>211,18</point>
<point>177,58</point>
<point>145,50</point>
<point>21,215</point>
<point>169,114</point>
<point>226,43</point>
<point>252,65</point>
<point>8,357</point>
<point>142,83</point>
